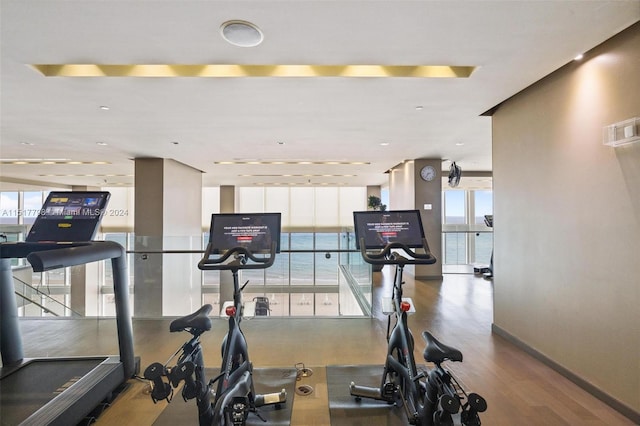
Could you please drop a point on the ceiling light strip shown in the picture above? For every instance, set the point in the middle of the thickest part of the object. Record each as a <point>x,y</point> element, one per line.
<point>305,163</point>
<point>231,70</point>
<point>300,184</point>
<point>39,162</point>
<point>304,176</point>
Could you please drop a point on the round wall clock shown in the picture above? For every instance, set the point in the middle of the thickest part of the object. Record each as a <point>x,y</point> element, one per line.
<point>428,173</point>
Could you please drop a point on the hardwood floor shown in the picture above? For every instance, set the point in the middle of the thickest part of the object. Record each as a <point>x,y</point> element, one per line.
<point>458,310</point>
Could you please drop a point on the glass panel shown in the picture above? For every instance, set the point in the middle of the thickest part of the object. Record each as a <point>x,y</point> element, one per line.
<point>301,241</point>
<point>32,204</point>
<point>454,207</point>
<point>351,199</point>
<point>483,205</point>
<point>327,304</point>
<point>301,264</point>
<point>277,200</point>
<point>279,304</point>
<point>326,268</point>
<point>326,207</point>
<point>455,248</point>
<point>250,200</point>
<point>484,247</point>
<point>302,304</point>
<point>119,211</point>
<point>9,208</point>
<point>278,273</point>
<point>302,208</point>
<point>326,241</point>
<point>210,205</point>
<point>301,268</point>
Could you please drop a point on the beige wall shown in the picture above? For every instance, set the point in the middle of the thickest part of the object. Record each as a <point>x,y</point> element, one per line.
<point>567,219</point>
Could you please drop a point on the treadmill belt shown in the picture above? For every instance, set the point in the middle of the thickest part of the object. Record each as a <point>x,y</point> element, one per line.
<point>27,389</point>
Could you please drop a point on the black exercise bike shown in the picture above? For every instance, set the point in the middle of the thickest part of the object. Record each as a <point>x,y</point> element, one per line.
<point>429,397</point>
<point>234,398</point>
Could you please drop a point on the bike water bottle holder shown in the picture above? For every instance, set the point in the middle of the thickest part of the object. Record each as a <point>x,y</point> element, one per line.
<point>388,307</point>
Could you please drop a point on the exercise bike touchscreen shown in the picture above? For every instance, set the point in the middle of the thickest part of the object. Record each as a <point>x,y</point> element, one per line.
<point>253,231</point>
<point>379,228</point>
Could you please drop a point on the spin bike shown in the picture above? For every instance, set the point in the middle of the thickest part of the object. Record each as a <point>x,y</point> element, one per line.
<point>429,398</point>
<point>234,398</point>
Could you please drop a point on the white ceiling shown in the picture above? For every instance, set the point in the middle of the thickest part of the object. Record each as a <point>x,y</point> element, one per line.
<point>513,44</point>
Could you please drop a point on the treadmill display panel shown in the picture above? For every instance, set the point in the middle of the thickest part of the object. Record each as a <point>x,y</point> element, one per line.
<point>255,231</point>
<point>69,216</point>
<point>379,228</point>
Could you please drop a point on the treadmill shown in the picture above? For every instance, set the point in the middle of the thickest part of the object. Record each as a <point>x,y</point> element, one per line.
<point>61,391</point>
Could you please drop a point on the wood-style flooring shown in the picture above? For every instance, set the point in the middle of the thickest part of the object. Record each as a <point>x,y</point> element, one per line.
<point>458,310</point>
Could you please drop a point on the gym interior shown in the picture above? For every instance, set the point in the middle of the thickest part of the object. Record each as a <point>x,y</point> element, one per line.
<point>544,306</point>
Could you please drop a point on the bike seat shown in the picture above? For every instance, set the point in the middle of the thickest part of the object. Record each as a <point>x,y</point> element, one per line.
<point>199,320</point>
<point>437,351</point>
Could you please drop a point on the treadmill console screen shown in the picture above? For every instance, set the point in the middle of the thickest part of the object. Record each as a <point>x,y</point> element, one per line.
<point>379,228</point>
<point>69,216</point>
<point>255,231</point>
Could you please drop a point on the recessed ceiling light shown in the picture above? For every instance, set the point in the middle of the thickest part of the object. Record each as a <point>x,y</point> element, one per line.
<point>27,143</point>
<point>384,144</point>
<point>175,142</point>
<point>104,107</point>
<point>281,143</point>
<point>419,108</point>
<point>460,144</point>
<point>577,58</point>
<point>241,33</point>
<point>102,143</point>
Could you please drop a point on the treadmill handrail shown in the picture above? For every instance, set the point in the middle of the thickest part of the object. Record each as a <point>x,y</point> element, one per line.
<point>241,254</point>
<point>387,257</point>
<point>77,254</point>
<point>52,256</point>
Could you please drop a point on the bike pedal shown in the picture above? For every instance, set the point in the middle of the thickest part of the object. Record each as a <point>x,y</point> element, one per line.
<point>154,371</point>
<point>160,391</point>
<point>180,372</point>
<point>449,404</point>
<point>477,402</point>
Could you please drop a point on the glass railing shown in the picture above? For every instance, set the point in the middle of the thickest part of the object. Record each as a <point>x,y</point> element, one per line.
<point>324,277</point>
<point>466,245</point>
<point>34,302</point>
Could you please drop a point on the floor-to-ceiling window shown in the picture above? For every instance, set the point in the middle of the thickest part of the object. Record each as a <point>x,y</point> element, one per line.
<point>466,238</point>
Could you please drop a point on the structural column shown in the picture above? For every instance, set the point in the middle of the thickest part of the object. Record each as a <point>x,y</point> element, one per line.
<point>408,190</point>
<point>168,209</point>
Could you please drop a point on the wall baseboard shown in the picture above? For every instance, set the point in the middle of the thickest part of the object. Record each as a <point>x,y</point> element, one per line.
<point>614,403</point>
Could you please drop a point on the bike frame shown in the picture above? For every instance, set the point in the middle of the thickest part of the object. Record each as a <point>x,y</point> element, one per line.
<point>236,371</point>
<point>400,358</point>
<point>235,395</point>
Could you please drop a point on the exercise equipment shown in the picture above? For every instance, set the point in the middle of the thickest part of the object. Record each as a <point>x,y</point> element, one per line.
<point>61,391</point>
<point>236,242</point>
<point>430,397</point>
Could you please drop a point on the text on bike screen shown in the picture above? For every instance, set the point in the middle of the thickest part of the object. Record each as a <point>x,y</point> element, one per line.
<point>381,228</point>
<point>254,231</point>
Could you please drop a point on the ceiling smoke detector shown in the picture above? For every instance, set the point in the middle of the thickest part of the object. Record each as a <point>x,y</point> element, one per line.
<point>241,33</point>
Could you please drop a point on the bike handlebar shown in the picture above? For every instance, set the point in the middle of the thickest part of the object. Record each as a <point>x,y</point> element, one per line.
<point>387,257</point>
<point>240,262</point>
